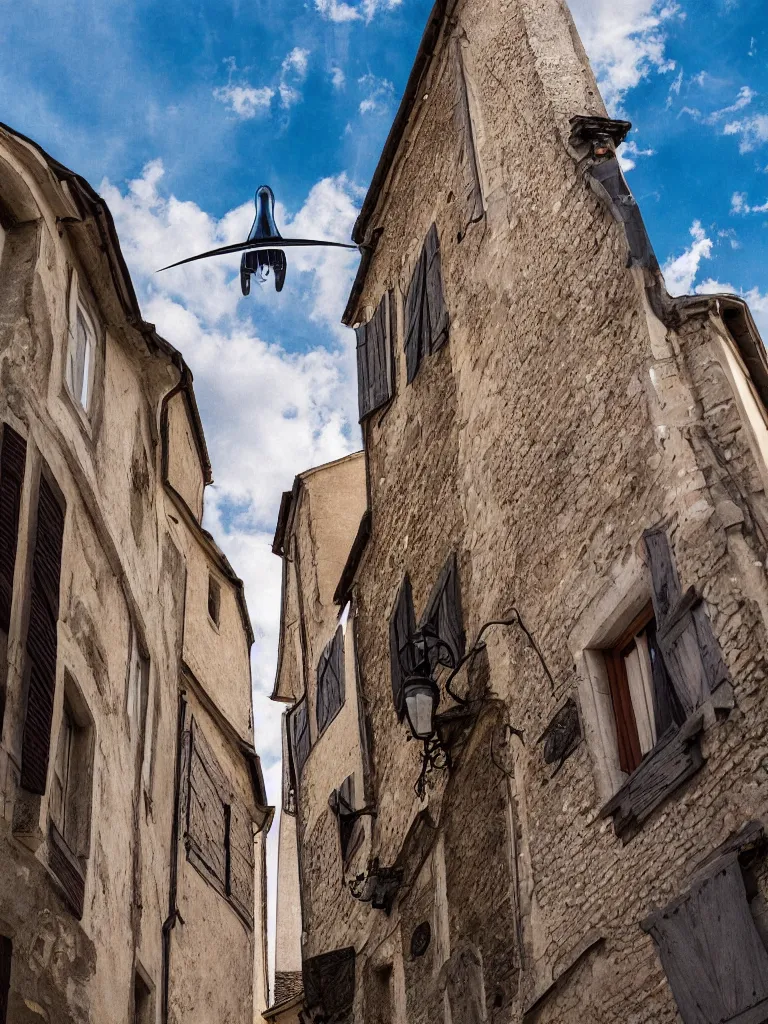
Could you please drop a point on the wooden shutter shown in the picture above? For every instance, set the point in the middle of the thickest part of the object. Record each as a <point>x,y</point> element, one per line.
<point>6,955</point>
<point>437,314</point>
<point>301,742</point>
<point>329,983</point>
<point>469,161</point>
<point>684,634</point>
<point>709,947</point>
<point>608,182</point>
<point>42,639</point>
<point>402,626</point>
<point>416,337</point>
<point>374,359</point>
<point>443,613</point>
<point>330,681</point>
<point>240,882</point>
<point>206,833</point>
<point>13,456</point>
<point>345,809</point>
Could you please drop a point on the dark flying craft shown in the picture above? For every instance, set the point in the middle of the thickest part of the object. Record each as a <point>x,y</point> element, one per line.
<point>263,249</point>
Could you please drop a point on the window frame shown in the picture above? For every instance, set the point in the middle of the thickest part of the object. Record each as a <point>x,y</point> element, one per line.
<point>80,302</point>
<point>214,591</point>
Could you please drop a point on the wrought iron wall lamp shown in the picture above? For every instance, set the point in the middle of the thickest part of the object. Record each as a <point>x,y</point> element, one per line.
<point>263,249</point>
<point>419,658</point>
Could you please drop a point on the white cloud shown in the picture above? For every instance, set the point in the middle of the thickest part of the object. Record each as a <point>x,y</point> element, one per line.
<point>674,89</point>
<point>739,204</point>
<point>753,132</point>
<point>680,272</point>
<point>338,78</point>
<point>625,41</point>
<point>379,94</point>
<point>744,98</point>
<point>297,62</point>
<point>629,153</point>
<point>340,11</point>
<point>245,101</point>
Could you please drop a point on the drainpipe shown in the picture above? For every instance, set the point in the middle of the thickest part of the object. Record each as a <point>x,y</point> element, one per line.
<point>173,910</point>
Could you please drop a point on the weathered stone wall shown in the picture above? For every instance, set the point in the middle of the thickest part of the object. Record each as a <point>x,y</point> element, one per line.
<point>561,420</point>
<point>132,566</point>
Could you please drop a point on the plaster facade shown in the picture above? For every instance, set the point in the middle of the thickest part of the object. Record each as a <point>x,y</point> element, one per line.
<point>570,417</point>
<point>105,915</point>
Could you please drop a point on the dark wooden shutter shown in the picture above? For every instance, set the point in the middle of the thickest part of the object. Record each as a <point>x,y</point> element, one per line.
<point>6,955</point>
<point>374,360</point>
<point>416,342</point>
<point>301,742</point>
<point>469,162</point>
<point>611,186</point>
<point>444,616</point>
<point>42,639</point>
<point>402,626</point>
<point>684,634</point>
<point>13,457</point>
<point>68,870</point>
<point>330,681</point>
<point>347,819</point>
<point>240,883</point>
<point>709,947</point>
<point>437,313</point>
<point>329,983</point>
<point>206,833</point>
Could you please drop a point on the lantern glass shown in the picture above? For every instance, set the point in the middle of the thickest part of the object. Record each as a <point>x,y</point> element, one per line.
<point>421,700</point>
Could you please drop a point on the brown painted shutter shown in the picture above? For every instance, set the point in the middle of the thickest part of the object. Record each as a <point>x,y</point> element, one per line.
<point>13,457</point>
<point>42,639</point>
<point>374,362</point>
<point>206,837</point>
<point>709,947</point>
<point>240,884</point>
<point>443,613</point>
<point>437,311</point>
<point>6,955</point>
<point>684,634</point>
<point>301,742</point>
<point>416,341</point>
<point>402,626</point>
<point>330,681</point>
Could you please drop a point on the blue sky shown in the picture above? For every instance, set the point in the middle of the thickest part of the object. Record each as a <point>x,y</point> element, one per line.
<point>177,111</point>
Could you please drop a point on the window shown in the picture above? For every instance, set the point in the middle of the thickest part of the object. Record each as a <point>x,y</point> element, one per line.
<point>70,798</point>
<point>137,687</point>
<point>80,358</point>
<point>402,626</point>
<point>6,955</point>
<point>143,1001</point>
<point>301,742</point>
<point>219,830</point>
<point>426,315</point>
<point>342,804</point>
<point>13,454</point>
<point>330,681</point>
<point>632,665</point>
<point>214,601</point>
<point>329,983</point>
<point>374,358</point>
<point>42,635</point>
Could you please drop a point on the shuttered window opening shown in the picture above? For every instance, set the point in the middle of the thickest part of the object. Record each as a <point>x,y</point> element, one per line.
<point>6,955</point>
<point>711,952</point>
<point>402,626</point>
<point>218,828</point>
<point>443,616</point>
<point>330,681</point>
<point>329,983</point>
<point>301,743</point>
<point>13,456</point>
<point>426,314</point>
<point>374,358</point>
<point>42,638</point>
<point>342,803</point>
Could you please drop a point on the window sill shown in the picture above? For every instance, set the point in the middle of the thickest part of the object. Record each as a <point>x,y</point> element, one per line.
<point>67,870</point>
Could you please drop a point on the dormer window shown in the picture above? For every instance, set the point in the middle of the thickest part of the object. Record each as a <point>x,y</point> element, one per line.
<point>80,359</point>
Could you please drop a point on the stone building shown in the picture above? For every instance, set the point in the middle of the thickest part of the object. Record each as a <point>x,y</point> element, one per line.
<point>132,806</point>
<point>557,582</point>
